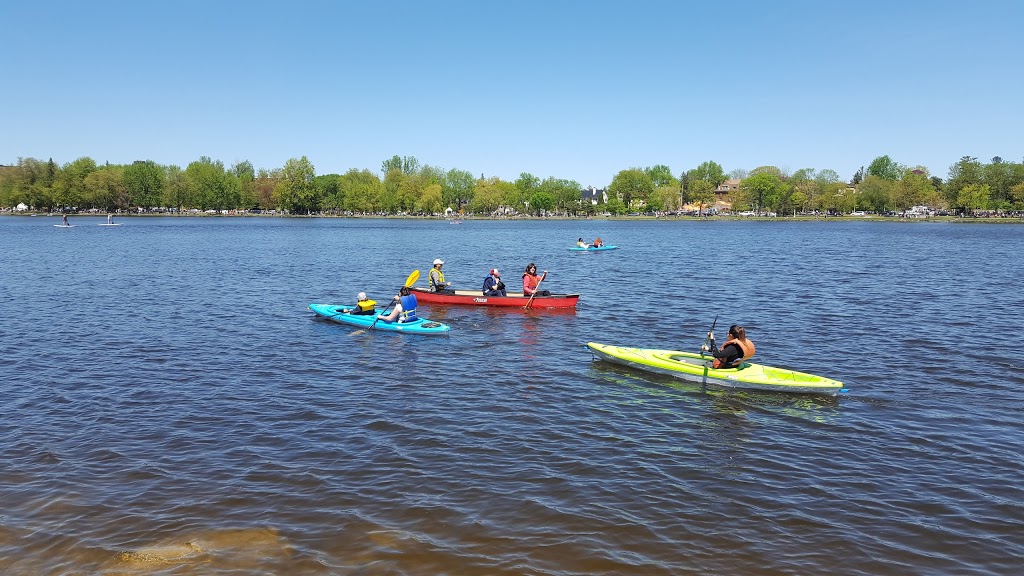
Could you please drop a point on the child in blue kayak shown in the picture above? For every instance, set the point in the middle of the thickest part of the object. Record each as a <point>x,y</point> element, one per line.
<point>364,306</point>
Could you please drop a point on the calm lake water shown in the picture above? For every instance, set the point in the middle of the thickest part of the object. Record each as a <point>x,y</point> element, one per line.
<point>170,405</point>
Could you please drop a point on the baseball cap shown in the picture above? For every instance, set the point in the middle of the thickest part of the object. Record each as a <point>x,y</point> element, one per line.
<point>438,261</point>
<point>494,272</point>
<point>361,296</point>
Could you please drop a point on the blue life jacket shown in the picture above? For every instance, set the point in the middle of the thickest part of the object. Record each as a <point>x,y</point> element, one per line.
<point>408,308</point>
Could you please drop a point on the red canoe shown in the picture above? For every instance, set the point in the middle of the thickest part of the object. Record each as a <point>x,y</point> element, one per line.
<point>476,298</point>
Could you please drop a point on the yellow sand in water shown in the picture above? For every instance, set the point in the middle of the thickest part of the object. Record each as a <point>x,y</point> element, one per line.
<point>238,548</point>
<point>162,554</point>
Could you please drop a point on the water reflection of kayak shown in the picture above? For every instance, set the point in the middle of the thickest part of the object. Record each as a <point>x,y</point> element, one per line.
<point>696,368</point>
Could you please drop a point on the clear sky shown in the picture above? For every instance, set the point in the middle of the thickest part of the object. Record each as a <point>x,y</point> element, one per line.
<point>570,89</point>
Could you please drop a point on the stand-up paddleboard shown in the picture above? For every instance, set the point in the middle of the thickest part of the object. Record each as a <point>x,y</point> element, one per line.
<point>63,225</point>
<point>118,224</point>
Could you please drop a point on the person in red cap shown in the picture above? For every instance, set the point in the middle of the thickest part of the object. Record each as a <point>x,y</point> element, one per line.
<point>493,286</point>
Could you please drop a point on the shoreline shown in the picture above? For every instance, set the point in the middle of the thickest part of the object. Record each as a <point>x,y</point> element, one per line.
<point>725,218</point>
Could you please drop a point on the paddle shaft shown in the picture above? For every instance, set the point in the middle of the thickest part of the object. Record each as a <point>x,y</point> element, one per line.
<point>708,339</point>
<point>535,290</point>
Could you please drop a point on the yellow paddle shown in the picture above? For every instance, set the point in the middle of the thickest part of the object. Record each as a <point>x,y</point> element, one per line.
<point>409,281</point>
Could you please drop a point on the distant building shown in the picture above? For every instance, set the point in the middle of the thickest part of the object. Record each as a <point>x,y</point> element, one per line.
<point>593,195</point>
<point>725,188</point>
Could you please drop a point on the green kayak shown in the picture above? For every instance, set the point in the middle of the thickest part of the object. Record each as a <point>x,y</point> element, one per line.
<point>696,368</point>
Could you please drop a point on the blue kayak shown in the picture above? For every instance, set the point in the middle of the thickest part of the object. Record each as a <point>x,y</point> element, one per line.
<point>336,312</point>
<point>592,249</point>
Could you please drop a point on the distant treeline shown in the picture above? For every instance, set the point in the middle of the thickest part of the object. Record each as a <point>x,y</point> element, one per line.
<point>403,185</point>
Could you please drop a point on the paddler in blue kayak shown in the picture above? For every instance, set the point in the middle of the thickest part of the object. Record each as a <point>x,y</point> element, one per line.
<point>581,244</point>
<point>736,350</point>
<point>364,306</point>
<point>405,307</point>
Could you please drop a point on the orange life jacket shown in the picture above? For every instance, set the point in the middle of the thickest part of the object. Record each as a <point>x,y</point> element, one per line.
<point>746,346</point>
<point>530,283</point>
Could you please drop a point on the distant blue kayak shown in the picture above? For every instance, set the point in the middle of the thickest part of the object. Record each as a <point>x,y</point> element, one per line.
<point>592,249</point>
<point>336,312</point>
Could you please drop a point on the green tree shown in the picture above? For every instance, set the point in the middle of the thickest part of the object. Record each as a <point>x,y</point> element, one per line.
<point>965,172</point>
<point>631,185</point>
<point>69,189</point>
<point>1017,197</point>
<point>408,165</point>
<point>773,170</point>
<point>615,206</point>
<point>246,175</point>
<point>710,172</point>
<point>566,193</point>
<point>661,175</point>
<point>105,188</point>
<point>973,197</point>
<point>176,188</point>
<point>207,185</point>
<point>296,192</point>
<point>666,197</point>
<point>457,189</point>
<point>884,167</point>
<point>527,184</point>
<point>144,183</point>
<point>430,201</point>
<point>875,194</point>
<point>702,193</point>
<point>761,191</point>
<point>541,202</point>
<point>489,195</point>
<point>264,185</point>
<point>328,190</point>
<point>913,189</point>
<point>361,189</point>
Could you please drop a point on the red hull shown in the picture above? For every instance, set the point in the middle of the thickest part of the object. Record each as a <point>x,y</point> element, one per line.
<point>475,298</point>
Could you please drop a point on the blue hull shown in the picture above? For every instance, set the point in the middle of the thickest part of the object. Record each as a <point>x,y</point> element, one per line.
<point>592,249</point>
<point>336,313</point>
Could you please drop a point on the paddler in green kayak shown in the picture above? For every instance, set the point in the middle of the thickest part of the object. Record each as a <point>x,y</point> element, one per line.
<point>736,350</point>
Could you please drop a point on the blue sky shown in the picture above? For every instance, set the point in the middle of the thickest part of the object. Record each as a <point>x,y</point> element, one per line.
<point>569,89</point>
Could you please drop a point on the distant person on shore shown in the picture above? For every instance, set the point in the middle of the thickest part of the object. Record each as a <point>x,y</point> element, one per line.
<point>405,307</point>
<point>736,350</point>
<point>493,286</point>
<point>581,244</point>
<point>598,242</point>
<point>531,281</point>
<point>364,306</point>
<point>436,278</point>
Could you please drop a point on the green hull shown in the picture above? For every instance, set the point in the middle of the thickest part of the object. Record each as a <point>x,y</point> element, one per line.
<point>696,368</point>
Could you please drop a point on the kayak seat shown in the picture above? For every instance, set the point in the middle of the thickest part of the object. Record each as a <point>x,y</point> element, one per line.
<point>409,318</point>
